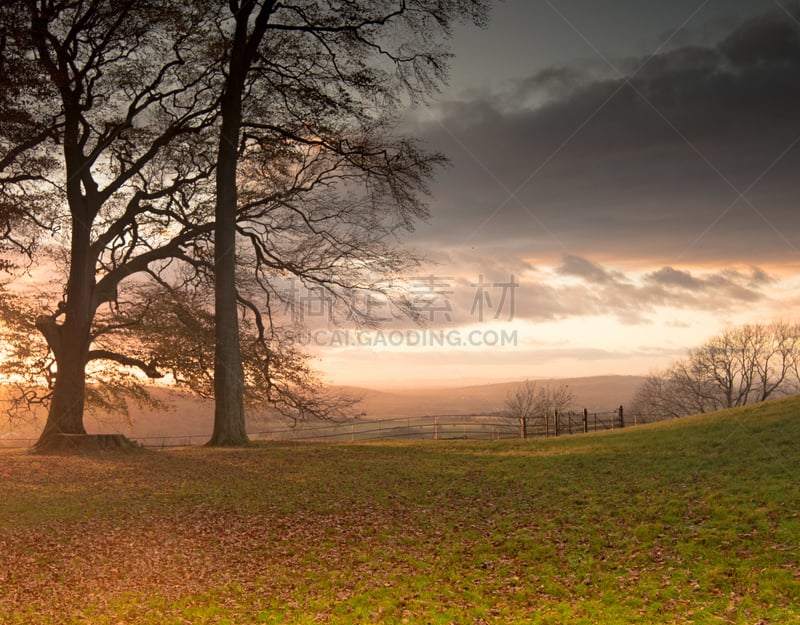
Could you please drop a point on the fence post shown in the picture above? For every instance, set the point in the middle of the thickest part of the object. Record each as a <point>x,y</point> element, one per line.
<point>546,425</point>
<point>621,418</point>
<point>555,421</point>
<point>436,428</point>
<point>585,421</point>
<point>523,427</point>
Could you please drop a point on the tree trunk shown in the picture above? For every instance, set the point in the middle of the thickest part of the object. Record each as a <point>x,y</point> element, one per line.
<point>229,421</point>
<point>66,407</point>
<point>70,343</point>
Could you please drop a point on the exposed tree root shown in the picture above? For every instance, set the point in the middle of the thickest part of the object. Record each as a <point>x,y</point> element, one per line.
<point>84,443</point>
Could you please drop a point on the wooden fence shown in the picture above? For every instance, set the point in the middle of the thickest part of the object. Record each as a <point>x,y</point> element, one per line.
<point>431,427</point>
<point>570,422</point>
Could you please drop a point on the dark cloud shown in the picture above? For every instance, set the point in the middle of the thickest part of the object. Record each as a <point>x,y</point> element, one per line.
<point>550,84</point>
<point>691,155</point>
<point>669,277</point>
<point>728,285</point>
<point>579,287</point>
<point>760,278</point>
<point>589,271</point>
<point>764,40</point>
<point>633,299</point>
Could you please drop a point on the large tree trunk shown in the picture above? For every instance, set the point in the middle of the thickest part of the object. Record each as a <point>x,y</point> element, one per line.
<point>229,421</point>
<point>70,343</point>
<point>66,407</point>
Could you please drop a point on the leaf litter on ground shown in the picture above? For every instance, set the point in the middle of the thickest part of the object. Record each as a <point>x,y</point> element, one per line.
<point>692,521</point>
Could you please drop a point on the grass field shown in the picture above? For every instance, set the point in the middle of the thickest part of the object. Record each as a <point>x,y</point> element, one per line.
<point>690,521</point>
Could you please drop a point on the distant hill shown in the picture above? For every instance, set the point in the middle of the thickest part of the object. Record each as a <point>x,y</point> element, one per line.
<point>192,416</point>
<point>597,393</point>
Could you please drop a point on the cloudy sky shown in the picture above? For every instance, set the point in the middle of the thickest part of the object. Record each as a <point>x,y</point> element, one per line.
<point>623,184</point>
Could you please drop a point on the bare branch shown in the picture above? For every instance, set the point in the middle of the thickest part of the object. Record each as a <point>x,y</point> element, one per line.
<point>150,369</point>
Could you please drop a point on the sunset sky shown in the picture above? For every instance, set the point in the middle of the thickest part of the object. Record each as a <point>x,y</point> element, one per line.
<point>622,185</point>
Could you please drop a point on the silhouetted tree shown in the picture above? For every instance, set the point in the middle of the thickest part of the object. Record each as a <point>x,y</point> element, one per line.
<point>99,154</point>
<point>181,329</point>
<point>736,367</point>
<point>525,402</point>
<point>310,99</point>
<point>531,401</point>
<point>151,138</point>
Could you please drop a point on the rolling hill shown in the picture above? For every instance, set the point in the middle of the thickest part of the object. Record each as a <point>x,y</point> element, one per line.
<point>597,394</point>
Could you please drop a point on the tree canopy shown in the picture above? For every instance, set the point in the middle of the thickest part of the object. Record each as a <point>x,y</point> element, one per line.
<point>159,151</point>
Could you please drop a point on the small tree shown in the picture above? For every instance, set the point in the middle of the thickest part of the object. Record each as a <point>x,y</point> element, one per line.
<point>529,401</point>
<point>523,403</point>
<point>557,397</point>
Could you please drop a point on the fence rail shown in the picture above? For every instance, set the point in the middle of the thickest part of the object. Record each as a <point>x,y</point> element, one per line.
<point>431,427</point>
<point>571,422</point>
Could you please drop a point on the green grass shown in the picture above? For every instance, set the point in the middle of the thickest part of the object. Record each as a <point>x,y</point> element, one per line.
<point>690,521</point>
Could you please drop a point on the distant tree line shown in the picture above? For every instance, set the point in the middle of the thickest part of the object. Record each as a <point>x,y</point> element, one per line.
<point>738,366</point>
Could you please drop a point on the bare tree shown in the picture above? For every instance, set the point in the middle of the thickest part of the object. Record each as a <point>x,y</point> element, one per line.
<point>277,375</point>
<point>524,402</point>
<point>557,397</point>
<point>776,371</point>
<point>528,401</point>
<point>736,367</point>
<point>310,98</point>
<point>674,392</point>
<point>148,136</point>
<point>99,154</point>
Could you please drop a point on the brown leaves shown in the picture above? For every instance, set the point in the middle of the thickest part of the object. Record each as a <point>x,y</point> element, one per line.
<point>452,532</point>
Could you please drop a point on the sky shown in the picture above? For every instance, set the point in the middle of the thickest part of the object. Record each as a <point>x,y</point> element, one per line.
<point>622,185</point>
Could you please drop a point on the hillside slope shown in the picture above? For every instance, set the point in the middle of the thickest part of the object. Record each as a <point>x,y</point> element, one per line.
<point>689,521</point>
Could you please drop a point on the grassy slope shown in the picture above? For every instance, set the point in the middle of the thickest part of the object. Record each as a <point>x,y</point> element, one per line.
<point>694,520</point>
